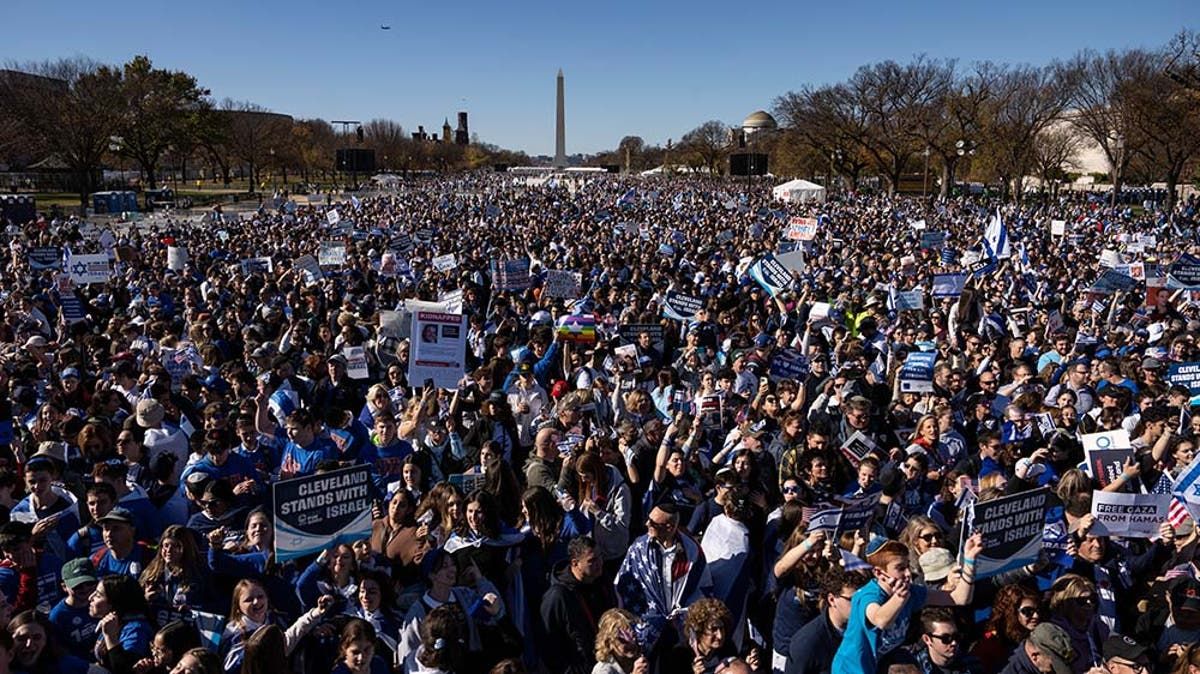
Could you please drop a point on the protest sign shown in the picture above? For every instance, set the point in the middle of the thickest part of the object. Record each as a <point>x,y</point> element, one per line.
<point>87,269</point>
<point>333,217</point>
<point>948,285</point>
<point>792,260</point>
<point>257,265</point>
<point>857,447</point>
<point>857,512</point>
<point>1011,527</point>
<point>910,300</point>
<point>1058,227</point>
<point>331,254</point>
<point>468,482</point>
<point>681,307</point>
<point>1109,258</point>
<point>1184,272</point>
<point>1118,439</point>
<point>439,342</point>
<point>72,309</point>
<point>356,362</point>
<point>629,332</point>
<point>177,258</point>
<point>1185,374</point>
<point>1134,270</point>
<point>511,274</point>
<point>310,267</point>
<point>389,323</point>
<point>316,512</point>
<point>1106,464</point>
<point>933,240</point>
<point>445,262</point>
<point>45,257</point>
<point>788,364</point>
<point>916,375</point>
<point>802,229</point>
<point>579,329</point>
<point>771,275</point>
<point>918,225</point>
<point>564,284</point>
<point>452,301</point>
<point>1112,281</point>
<point>1130,515</point>
<point>401,243</point>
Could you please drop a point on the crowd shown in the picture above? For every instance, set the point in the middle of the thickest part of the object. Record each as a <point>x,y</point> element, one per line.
<point>647,495</point>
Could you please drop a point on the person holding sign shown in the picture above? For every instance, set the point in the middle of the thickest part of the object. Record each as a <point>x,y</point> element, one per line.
<point>881,611</point>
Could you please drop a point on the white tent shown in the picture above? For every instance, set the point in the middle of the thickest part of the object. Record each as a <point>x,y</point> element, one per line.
<point>799,192</point>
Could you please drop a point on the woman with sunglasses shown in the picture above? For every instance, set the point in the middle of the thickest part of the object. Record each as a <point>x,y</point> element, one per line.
<point>920,535</point>
<point>1016,611</point>
<point>1074,604</point>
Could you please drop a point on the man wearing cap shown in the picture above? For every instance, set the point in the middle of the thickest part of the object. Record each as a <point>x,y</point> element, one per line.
<point>122,554</point>
<point>527,399</point>
<point>1047,650</point>
<point>149,415</point>
<point>1123,654</point>
<point>72,623</point>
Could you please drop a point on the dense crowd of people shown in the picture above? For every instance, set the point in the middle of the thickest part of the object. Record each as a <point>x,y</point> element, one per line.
<point>645,496</point>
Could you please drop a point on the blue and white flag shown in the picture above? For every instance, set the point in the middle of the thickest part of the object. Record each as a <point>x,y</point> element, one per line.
<point>627,198</point>
<point>995,238</point>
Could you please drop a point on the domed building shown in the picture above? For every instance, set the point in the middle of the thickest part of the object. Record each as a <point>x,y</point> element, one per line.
<point>759,120</point>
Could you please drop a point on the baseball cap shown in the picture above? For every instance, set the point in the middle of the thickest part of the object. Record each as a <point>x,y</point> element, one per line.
<point>525,367</point>
<point>78,572</point>
<point>117,515</point>
<point>1120,646</point>
<point>1151,363</point>
<point>936,564</point>
<point>1054,643</point>
<point>149,413</point>
<point>69,373</point>
<point>1185,594</point>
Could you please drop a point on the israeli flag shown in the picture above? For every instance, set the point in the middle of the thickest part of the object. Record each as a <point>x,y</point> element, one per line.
<point>995,238</point>
<point>628,197</point>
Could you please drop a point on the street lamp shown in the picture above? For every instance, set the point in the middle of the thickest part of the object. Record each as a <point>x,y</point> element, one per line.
<point>963,148</point>
<point>925,184</point>
<point>835,155</point>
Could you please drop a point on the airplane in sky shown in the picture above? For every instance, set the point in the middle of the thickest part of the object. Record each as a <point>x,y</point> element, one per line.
<point>385,28</point>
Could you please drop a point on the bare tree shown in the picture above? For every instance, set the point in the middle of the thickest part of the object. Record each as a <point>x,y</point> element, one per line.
<point>1102,99</point>
<point>1028,100</point>
<point>254,132</point>
<point>1167,116</point>
<point>707,145</point>
<point>387,138</point>
<point>1054,154</point>
<point>70,106</point>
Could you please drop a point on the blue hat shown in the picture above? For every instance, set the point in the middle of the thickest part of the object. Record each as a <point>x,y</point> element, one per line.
<point>68,373</point>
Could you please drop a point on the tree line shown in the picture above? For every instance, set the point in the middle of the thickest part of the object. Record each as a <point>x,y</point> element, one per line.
<point>86,116</point>
<point>991,122</point>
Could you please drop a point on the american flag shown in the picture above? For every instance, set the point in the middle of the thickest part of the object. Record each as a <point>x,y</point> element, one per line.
<point>1177,514</point>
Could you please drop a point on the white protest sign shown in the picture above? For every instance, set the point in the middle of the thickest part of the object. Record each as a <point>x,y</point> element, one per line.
<point>333,216</point>
<point>438,348</point>
<point>356,362</point>
<point>311,268</point>
<point>792,261</point>
<point>1109,258</point>
<point>1058,228</point>
<point>1118,439</point>
<point>445,262</point>
<point>177,257</point>
<point>917,224</point>
<point>802,229</point>
<point>564,284</point>
<point>91,268</point>
<point>331,254</point>
<point>1130,515</point>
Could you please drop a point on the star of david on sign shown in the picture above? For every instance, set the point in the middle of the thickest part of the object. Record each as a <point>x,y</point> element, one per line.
<point>79,269</point>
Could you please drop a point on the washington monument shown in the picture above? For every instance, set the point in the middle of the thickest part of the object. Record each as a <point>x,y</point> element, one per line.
<point>560,128</point>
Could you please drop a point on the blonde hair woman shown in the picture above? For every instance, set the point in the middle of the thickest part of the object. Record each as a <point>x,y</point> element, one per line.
<point>617,649</point>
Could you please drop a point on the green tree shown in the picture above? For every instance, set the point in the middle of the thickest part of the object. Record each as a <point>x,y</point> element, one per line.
<point>158,109</point>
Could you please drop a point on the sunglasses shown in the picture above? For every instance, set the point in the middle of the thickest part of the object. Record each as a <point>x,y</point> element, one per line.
<point>1029,611</point>
<point>791,490</point>
<point>951,638</point>
<point>931,536</point>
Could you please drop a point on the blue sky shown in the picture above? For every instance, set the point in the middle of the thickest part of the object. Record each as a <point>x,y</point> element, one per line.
<point>654,69</point>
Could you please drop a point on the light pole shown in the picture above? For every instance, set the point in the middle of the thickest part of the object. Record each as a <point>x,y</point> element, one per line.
<point>1119,151</point>
<point>925,183</point>
<point>963,148</point>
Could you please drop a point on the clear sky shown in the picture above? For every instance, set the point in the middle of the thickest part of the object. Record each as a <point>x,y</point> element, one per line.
<point>654,69</point>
